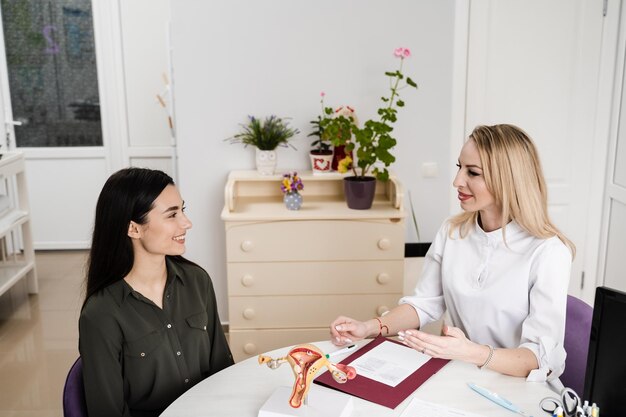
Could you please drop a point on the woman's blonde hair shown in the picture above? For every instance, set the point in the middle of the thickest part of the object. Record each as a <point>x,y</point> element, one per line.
<point>513,175</point>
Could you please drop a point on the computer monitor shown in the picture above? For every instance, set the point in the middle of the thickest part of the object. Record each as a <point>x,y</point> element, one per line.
<point>605,378</point>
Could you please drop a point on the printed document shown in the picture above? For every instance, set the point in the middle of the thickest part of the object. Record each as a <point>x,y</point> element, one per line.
<point>389,363</point>
<point>419,408</point>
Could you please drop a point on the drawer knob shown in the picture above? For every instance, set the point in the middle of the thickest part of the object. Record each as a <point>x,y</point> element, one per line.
<point>247,246</point>
<point>383,278</point>
<point>382,310</point>
<point>249,313</point>
<point>249,348</point>
<point>384,243</point>
<point>247,280</point>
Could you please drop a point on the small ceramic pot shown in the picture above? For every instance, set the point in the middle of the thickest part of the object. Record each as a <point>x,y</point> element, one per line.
<point>265,162</point>
<point>359,192</point>
<point>321,162</point>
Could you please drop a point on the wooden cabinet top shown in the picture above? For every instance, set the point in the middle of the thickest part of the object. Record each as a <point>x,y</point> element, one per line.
<point>250,196</point>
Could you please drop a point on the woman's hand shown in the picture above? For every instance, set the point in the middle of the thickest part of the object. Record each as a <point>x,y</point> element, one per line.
<point>453,344</point>
<point>345,330</point>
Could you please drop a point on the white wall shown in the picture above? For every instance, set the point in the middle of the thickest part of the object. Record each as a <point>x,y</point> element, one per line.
<point>144,42</point>
<point>145,48</point>
<point>234,58</point>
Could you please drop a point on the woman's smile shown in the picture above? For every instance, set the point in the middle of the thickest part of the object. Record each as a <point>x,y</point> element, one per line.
<point>463,196</point>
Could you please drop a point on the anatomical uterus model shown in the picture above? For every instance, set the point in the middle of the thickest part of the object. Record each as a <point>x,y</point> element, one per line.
<point>306,361</point>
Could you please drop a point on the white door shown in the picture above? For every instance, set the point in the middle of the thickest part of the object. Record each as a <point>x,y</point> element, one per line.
<point>50,110</point>
<point>83,118</point>
<point>612,263</point>
<point>535,64</point>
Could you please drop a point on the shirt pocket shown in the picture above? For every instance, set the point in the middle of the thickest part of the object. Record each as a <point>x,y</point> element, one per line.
<point>198,321</point>
<point>145,346</point>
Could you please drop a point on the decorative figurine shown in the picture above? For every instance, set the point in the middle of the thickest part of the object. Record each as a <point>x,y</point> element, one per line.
<point>306,361</point>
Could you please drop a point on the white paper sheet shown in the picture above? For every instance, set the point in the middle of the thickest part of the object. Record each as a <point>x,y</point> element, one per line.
<point>419,408</point>
<point>389,363</point>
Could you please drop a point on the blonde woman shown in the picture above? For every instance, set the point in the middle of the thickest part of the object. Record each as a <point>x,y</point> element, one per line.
<point>500,269</point>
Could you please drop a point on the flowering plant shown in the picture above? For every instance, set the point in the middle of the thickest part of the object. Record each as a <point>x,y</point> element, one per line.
<point>291,183</point>
<point>375,138</point>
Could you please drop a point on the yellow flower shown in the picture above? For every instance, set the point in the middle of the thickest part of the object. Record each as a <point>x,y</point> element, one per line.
<point>344,165</point>
<point>286,183</point>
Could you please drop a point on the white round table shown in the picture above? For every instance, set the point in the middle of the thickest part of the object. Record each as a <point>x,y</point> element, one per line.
<point>241,390</point>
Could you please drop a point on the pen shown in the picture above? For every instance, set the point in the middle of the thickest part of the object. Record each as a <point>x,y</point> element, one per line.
<point>496,399</point>
<point>340,351</point>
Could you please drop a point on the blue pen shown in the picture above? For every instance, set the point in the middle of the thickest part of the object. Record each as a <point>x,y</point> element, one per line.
<point>497,399</point>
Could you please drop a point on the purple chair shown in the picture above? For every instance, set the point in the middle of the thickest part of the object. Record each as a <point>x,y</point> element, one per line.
<point>74,404</point>
<point>577,329</point>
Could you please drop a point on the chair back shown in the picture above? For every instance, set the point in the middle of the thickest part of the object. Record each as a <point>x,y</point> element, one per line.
<point>74,404</point>
<point>577,330</point>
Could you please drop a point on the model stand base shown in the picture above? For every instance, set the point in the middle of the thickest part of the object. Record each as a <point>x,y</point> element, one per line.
<point>321,402</point>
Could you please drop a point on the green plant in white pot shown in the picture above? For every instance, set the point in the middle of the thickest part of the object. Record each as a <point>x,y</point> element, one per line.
<point>321,154</point>
<point>265,135</point>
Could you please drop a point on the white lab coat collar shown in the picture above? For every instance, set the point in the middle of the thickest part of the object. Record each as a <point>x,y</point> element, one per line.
<point>497,236</point>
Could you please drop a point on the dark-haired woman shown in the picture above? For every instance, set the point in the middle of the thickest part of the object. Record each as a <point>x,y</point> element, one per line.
<point>149,327</point>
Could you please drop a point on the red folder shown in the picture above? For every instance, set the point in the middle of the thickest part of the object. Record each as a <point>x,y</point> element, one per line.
<point>377,392</point>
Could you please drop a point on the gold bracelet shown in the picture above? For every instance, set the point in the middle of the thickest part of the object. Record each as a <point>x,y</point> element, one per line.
<point>381,326</point>
<point>491,350</point>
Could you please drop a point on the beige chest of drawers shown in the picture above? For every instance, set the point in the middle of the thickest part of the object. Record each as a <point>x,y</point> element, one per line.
<point>290,273</point>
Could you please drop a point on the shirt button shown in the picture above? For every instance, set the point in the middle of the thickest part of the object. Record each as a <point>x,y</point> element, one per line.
<point>178,353</point>
<point>186,381</point>
<point>169,326</point>
<point>143,354</point>
<point>167,295</point>
<point>204,327</point>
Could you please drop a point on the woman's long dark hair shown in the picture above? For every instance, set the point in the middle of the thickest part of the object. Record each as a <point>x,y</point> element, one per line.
<point>127,195</point>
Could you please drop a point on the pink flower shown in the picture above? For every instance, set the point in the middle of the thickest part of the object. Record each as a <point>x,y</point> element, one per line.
<point>402,53</point>
<point>322,94</point>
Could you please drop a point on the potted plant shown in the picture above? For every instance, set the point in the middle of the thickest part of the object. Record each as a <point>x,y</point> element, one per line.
<point>374,139</point>
<point>340,151</point>
<point>265,135</point>
<point>321,153</point>
<point>291,185</point>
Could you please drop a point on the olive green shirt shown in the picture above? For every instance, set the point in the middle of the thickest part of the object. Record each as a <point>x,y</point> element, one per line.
<point>137,357</point>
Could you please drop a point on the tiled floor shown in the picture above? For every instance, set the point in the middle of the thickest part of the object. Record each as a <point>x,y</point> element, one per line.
<point>39,336</point>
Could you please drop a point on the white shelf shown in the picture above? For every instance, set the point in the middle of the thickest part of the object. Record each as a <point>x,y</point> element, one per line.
<point>250,196</point>
<point>11,163</point>
<point>17,256</point>
<point>9,275</point>
<point>11,220</point>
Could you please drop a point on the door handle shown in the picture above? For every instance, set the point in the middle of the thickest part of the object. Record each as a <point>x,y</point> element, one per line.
<point>19,122</point>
